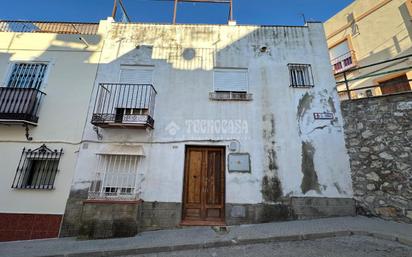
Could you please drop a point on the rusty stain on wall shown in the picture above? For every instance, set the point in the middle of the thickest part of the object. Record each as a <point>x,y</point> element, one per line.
<point>310,178</point>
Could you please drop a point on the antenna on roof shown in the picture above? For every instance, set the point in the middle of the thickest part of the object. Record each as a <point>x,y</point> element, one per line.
<point>229,2</point>
<point>303,17</point>
<point>125,16</point>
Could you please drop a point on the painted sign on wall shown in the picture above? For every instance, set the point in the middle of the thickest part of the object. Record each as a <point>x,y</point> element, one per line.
<point>323,116</point>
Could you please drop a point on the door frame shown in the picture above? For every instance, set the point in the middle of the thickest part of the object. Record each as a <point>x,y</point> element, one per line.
<point>203,223</point>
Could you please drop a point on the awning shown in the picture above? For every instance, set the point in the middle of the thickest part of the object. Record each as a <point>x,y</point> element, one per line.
<point>131,150</point>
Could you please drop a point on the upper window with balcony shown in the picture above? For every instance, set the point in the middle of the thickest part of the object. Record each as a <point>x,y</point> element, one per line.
<point>230,84</point>
<point>21,97</point>
<point>129,103</point>
<point>342,57</point>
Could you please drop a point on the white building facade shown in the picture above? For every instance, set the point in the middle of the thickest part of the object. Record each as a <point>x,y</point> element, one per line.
<point>47,72</point>
<point>209,125</point>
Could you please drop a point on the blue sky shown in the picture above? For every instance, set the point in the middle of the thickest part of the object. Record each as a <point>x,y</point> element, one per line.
<point>267,12</point>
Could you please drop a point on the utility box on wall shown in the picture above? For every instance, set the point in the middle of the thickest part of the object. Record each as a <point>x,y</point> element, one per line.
<point>239,162</point>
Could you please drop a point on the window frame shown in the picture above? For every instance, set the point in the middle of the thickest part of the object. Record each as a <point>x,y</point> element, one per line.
<point>12,64</point>
<point>306,68</point>
<point>408,4</point>
<point>136,67</point>
<point>99,185</point>
<point>32,171</point>
<point>352,52</point>
<point>389,81</point>
<point>246,70</point>
<point>48,173</point>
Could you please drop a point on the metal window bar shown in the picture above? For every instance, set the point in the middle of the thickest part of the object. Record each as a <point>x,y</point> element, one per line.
<point>301,75</point>
<point>20,104</point>
<point>124,103</point>
<point>49,27</point>
<point>116,177</point>
<point>343,62</point>
<point>37,168</point>
<point>27,75</point>
<point>374,73</point>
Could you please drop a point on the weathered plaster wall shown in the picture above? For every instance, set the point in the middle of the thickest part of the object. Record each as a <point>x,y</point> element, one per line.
<point>379,138</point>
<point>280,124</point>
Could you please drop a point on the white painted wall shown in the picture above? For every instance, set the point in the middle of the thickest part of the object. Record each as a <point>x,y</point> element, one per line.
<point>62,115</point>
<point>183,88</point>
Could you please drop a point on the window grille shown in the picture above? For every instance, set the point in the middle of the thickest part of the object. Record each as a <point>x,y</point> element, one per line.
<point>27,75</point>
<point>116,178</point>
<point>301,75</point>
<point>37,168</point>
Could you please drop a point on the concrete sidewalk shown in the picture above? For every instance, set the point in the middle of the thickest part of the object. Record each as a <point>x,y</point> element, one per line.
<point>194,238</point>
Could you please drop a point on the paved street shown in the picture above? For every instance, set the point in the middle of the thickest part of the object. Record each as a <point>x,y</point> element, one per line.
<point>238,239</point>
<point>354,246</point>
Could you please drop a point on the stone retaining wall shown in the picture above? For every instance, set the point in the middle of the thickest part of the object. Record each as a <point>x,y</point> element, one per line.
<point>379,140</point>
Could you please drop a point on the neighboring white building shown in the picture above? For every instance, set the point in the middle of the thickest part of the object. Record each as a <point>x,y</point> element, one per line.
<point>209,125</point>
<point>47,71</point>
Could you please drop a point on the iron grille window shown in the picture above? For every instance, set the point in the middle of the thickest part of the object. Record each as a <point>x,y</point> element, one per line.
<point>301,75</point>
<point>116,178</point>
<point>37,168</point>
<point>27,75</point>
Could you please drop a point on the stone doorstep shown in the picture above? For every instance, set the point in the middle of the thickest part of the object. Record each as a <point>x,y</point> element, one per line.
<point>236,242</point>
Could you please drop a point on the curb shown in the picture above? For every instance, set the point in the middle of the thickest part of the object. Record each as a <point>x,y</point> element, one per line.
<point>235,242</point>
<point>388,237</point>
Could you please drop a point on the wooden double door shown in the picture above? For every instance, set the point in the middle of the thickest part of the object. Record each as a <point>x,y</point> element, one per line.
<point>204,186</point>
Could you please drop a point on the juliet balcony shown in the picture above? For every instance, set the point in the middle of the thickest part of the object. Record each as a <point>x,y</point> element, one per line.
<point>124,106</point>
<point>343,62</point>
<point>20,105</point>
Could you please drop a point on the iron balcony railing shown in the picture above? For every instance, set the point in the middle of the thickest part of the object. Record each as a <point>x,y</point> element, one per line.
<point>20,104</point>
<point>49,27</point>
<point>343,62</point>
<point>386,88</point>
<point>124,105</point>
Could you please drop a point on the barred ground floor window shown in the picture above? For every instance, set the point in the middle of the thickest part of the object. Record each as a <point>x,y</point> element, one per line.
<point>116,177</point>
<point>37,169</point>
